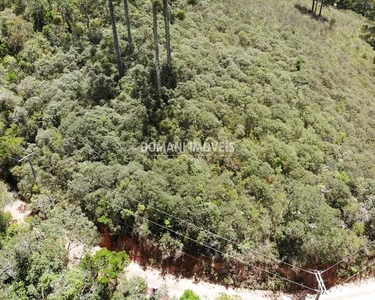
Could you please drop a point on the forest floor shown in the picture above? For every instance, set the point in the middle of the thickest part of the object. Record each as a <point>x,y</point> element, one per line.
<point>18,210</point>
<point>13,205</point>
<point>364,290</point>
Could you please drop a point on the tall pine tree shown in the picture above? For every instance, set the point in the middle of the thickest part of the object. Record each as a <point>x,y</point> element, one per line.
<point>128,24</point>
<point>155,8</point>
<point>167,33</point>
<point>120,65</point>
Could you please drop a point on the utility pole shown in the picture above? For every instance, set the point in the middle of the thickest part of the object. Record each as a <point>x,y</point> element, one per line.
<point>321,286</point>
<point>28,158</point>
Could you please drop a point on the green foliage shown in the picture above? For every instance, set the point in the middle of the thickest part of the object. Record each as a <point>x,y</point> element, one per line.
<point>11,77</point>
<point>181,15</point>
<point>193,2</point>
<point>162,293</point>
<point>10,148</point>
<point>134,288</point>
<point>294,95</point>
<point>15,31</point>
<point>3,49</point>
<point>368,33</point>
<point>170,247</point>
<point>5,219</point>
<point>104,268</point>
<point>299,64</point>
<point>364,7</point>
<point>69,286</point>
<point>105,265</point>
<point>189,295</point>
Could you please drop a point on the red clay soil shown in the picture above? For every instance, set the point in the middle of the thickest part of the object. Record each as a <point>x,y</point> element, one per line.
<point>211,269</point>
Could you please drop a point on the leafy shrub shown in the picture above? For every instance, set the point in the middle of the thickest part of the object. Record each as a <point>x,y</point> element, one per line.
<point>189,295</point>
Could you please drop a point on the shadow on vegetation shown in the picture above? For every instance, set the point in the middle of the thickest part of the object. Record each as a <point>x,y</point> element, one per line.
<point>305,11</point>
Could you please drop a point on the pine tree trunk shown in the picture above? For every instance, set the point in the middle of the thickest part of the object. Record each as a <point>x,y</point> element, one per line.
<point>128,23</point>
<point>313,6</point>
<point>321,8</point>
<point>167,33</point>
<point>156,41</point>
<point>120,66</point>
<point>32,168</point>
<point>316,6</point>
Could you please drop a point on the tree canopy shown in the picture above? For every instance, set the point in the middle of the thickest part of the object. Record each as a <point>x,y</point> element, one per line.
<point>295,96</point>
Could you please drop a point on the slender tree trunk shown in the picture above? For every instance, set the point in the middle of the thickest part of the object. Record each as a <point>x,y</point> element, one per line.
<point>156,41</point>
<point>316,6</point>
<point>115,39</point>
<point>313,6</point>
<point>32,167</point>
<point>128,24</point>
<point>321,8</point>
<point>87,21</point>
<point>167,33</point>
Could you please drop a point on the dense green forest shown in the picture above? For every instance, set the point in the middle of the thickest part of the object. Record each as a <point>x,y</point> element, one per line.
<point>295,94</point>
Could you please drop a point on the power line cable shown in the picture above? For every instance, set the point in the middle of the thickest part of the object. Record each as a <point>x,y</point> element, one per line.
<point>219,236</point>
<point>221,252</point>
<point>363,269</point>
<point>235,243</point>
<point>230,256</point>
<point>213,234</point>
<point>349,256</point>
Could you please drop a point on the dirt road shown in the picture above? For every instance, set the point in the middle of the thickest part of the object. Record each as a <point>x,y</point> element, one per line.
<point>364,290</point>
<point>205,290</point>
<point>352,291</point>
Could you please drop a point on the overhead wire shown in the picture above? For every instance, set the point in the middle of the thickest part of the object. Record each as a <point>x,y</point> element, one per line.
<point>230,256</point>
<point>347,257</point>
<point>360,271</point>
<point>217,235</point>
<point>222,253</point>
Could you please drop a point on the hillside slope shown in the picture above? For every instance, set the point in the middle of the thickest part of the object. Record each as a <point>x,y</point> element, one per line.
<point>295,95</point>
